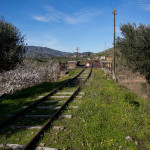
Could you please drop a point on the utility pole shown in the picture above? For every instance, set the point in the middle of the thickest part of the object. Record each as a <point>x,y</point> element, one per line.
<point>77,51</point>
<point>105,46</point>
<point>114,61</point>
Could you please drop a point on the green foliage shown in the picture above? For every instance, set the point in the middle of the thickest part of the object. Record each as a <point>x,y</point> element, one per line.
<point>11,45</point>
<point>144,87</point>
<point>134,46</point>
<point>107,52</point>
<point>107,114</point>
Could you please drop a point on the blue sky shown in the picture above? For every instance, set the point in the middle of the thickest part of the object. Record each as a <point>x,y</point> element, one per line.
<point>67,24</point>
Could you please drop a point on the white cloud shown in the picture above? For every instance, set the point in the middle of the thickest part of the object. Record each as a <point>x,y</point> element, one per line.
<point>43,40</point>
<point>143,4</point>
<point>147,7</point>
<point>47,41</point>
<point>41,18</point>
<point>54,15</point>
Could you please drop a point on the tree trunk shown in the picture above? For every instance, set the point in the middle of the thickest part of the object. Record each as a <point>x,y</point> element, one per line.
<point>148,85</point>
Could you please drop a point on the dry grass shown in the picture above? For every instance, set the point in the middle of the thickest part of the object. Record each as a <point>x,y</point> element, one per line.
<point>133,81</point>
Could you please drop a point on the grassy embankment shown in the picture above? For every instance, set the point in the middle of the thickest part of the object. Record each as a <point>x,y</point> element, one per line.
<point>14,103</point>
<point>108,117</point>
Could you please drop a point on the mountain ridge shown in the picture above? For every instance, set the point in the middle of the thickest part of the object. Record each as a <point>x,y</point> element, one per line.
<point>39,51</point>
<point>45,52</point>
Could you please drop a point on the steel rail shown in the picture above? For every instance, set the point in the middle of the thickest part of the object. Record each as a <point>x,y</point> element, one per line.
<point>3,124</point>
<point>35,140</point>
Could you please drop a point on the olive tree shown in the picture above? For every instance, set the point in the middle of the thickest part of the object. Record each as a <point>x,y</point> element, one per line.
<point>11,45</point>
<point>134,45</point>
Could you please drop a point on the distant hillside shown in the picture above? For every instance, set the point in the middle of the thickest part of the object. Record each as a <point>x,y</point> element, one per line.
<point>44,52</point>
<point>107,52</point>
<point>84,53</point>
<point>120,61</point>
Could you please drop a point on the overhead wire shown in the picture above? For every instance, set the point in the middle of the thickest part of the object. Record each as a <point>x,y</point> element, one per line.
<point>114,4</point>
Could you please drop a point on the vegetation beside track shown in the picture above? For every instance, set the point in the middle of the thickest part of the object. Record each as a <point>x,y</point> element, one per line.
<point>14,103</point>
<point>108,117</point>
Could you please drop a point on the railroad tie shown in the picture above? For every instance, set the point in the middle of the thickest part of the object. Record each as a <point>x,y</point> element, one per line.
<point>34,116</point>
<point>78,96</point>
<point>50,107</point>
<point>88,84</point>
<point>65,116</point>
<point>72,85</point>
<point>58,127</point>
<point>73,106</point>
<point>64,93</point>
<point>18,146</point>
<point>24,107</point>
<point>41,96</point>
<point>36,127</point>
<point>53,101</point>
<point>58,102</point>
<point>38,116</point>
<point>81,78</point>
<point>60,96</point>
<point>41,116</point>
<point>78,101</point>
<point>76,82</point>
<point>69,93</point>
<point>82,93</point>
<point>25,127</point>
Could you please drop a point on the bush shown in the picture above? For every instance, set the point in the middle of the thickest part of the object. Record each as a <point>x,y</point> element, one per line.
<point>134,46</point>
<point>11,45</point>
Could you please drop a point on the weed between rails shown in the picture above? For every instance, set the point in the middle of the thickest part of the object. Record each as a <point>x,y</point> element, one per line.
<point>108,117</point>
<point>22,136</point>
<point>104,119</point>
<point>14,103</point>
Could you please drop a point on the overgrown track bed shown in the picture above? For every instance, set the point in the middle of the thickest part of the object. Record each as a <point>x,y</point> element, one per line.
<point>28,126</point>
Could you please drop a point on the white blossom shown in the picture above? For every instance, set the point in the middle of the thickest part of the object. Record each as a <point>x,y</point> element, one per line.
<point>29,74</point>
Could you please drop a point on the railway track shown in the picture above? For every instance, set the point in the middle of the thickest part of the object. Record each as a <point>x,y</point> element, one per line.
<point>32,121</point>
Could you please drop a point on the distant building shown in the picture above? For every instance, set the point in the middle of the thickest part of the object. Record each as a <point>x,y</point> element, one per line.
<point>105,58</point>
<point>106,63</point>
<point>109,58</point>
<point>74,56</point>
<point>72,64</point>
<point>102,57</point>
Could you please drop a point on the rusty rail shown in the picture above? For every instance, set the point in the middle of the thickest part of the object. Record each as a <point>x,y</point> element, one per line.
<point>3,124</point>
<point>35,140</point>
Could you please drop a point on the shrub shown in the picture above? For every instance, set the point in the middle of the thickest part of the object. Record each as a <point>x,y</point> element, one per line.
<point>11,45</point>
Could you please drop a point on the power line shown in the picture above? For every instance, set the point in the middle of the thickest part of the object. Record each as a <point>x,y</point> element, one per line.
<point>77,51</point>
<point>114,4</point>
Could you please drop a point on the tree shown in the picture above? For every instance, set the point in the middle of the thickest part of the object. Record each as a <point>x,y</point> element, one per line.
<point>89,54</point>
<point>11,45</point>
<point>134,46</point>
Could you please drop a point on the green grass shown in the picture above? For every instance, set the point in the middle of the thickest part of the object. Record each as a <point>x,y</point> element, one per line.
<point>14,103</point>
<point>22,136</point>
<point>107,114</point>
